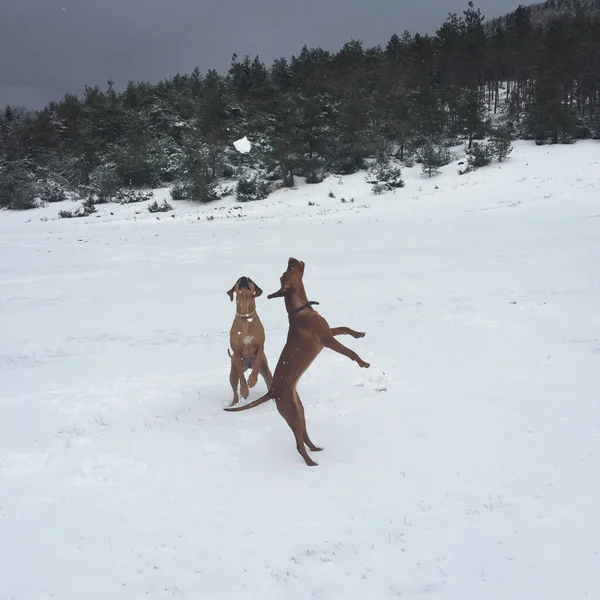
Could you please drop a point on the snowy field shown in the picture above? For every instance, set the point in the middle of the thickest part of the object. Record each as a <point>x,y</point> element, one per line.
<point>463,465</point>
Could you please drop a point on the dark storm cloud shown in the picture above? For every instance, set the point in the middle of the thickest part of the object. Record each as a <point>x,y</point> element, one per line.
<point>51,47</point>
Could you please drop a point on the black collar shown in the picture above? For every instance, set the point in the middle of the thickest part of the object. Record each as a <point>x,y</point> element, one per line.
<point>303,307</point>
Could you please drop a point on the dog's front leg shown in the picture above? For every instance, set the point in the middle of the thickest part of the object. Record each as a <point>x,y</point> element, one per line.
<point>255,368</point>
<point>234,380</point>
<point>239,366</point>
<point>265,371</point>
<point>333,344</point>
<point>346,331</point>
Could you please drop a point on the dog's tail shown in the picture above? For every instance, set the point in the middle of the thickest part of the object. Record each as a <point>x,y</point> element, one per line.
<point>261,400</point>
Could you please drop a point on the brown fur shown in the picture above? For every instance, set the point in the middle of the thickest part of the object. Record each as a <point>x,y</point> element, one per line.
<point>247,340</point>
<point>308,334</point>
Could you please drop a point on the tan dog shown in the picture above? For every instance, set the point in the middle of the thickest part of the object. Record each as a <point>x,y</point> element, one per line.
<point>247,339</point>
<point>308,334</point>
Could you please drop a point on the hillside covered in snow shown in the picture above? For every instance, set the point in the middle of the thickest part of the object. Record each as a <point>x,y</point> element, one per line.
<point>462,465</point>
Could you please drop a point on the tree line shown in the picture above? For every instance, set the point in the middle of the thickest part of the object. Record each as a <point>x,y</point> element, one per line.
<point>317,113</point>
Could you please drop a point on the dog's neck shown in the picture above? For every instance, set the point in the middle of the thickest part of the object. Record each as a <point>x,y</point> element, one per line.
<point>245,307</point>
<point>297,301</point>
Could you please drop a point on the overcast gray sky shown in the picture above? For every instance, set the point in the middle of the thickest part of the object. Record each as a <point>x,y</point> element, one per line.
<point>50,47</point>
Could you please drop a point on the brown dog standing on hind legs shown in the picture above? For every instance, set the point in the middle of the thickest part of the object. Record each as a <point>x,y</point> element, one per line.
<point>308,334</point>
<point>247,339</point>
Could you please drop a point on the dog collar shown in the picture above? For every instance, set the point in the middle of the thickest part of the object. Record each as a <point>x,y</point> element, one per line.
<point>303,307</point>
<point>245,316</point>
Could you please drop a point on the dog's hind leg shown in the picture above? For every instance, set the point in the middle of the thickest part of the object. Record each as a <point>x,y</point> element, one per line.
<point>289,411</point>
<point>257,367</point>
<point>333,344</point>
<point>312,447</point>
<point>264,370</point>
<point>346,331</point>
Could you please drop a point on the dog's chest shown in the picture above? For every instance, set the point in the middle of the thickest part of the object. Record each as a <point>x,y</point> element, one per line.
<point>243,334</point>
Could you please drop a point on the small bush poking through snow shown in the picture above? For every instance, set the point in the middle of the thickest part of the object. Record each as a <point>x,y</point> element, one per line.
<point>178,192</point>
<point>315,177</point>
<point>501,143</point>
<point>17,187</point>
<point>50,191</point>
<point>106,182</point>
<point>227,172</point>
<point>385,177</point>
<point>249,190</point>
<point>480,155</point>
<point>433,158</point>
<point>199,188</point>
<point>155,207</point>
<point>133,196</point>
<point>85,210</point>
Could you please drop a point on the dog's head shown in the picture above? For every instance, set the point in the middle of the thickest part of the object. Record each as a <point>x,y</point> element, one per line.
<point>291,279</point>
<point>244,286</point>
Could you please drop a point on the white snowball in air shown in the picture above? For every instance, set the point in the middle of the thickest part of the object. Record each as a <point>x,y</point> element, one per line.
<point>243,145</point>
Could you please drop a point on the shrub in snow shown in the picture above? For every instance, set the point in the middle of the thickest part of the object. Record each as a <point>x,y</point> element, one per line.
<point>228,172</point>
<point>480,155</point>
<point>433,158</point>
<point>17,188</point>
<point>249,190</point>
<point>106,182</point>
<point>50,191</point>
<point>385,177</point>
<point>85,210</point>
<point>501,143</point>
<point>178,191</point>
<point>133,196</point>
<point>199,188</point>
<point>155,207</point>
<point>314,177</point>
<point>347,164</point>
<point>225,191</point>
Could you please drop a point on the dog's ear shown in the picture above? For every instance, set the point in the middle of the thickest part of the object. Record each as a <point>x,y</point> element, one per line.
<point>230,292</point>
<point>257,290</point>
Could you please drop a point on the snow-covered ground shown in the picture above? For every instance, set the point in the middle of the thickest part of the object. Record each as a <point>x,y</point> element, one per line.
<point>463,465</point>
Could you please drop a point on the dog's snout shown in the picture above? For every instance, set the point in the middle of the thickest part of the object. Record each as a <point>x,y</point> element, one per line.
<point>243,282</point>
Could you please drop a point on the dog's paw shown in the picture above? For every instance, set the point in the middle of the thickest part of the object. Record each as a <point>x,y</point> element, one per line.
<point>360,334</point>
<point>252,380</point>
<point>364,365</point>
<point>244,391</point>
